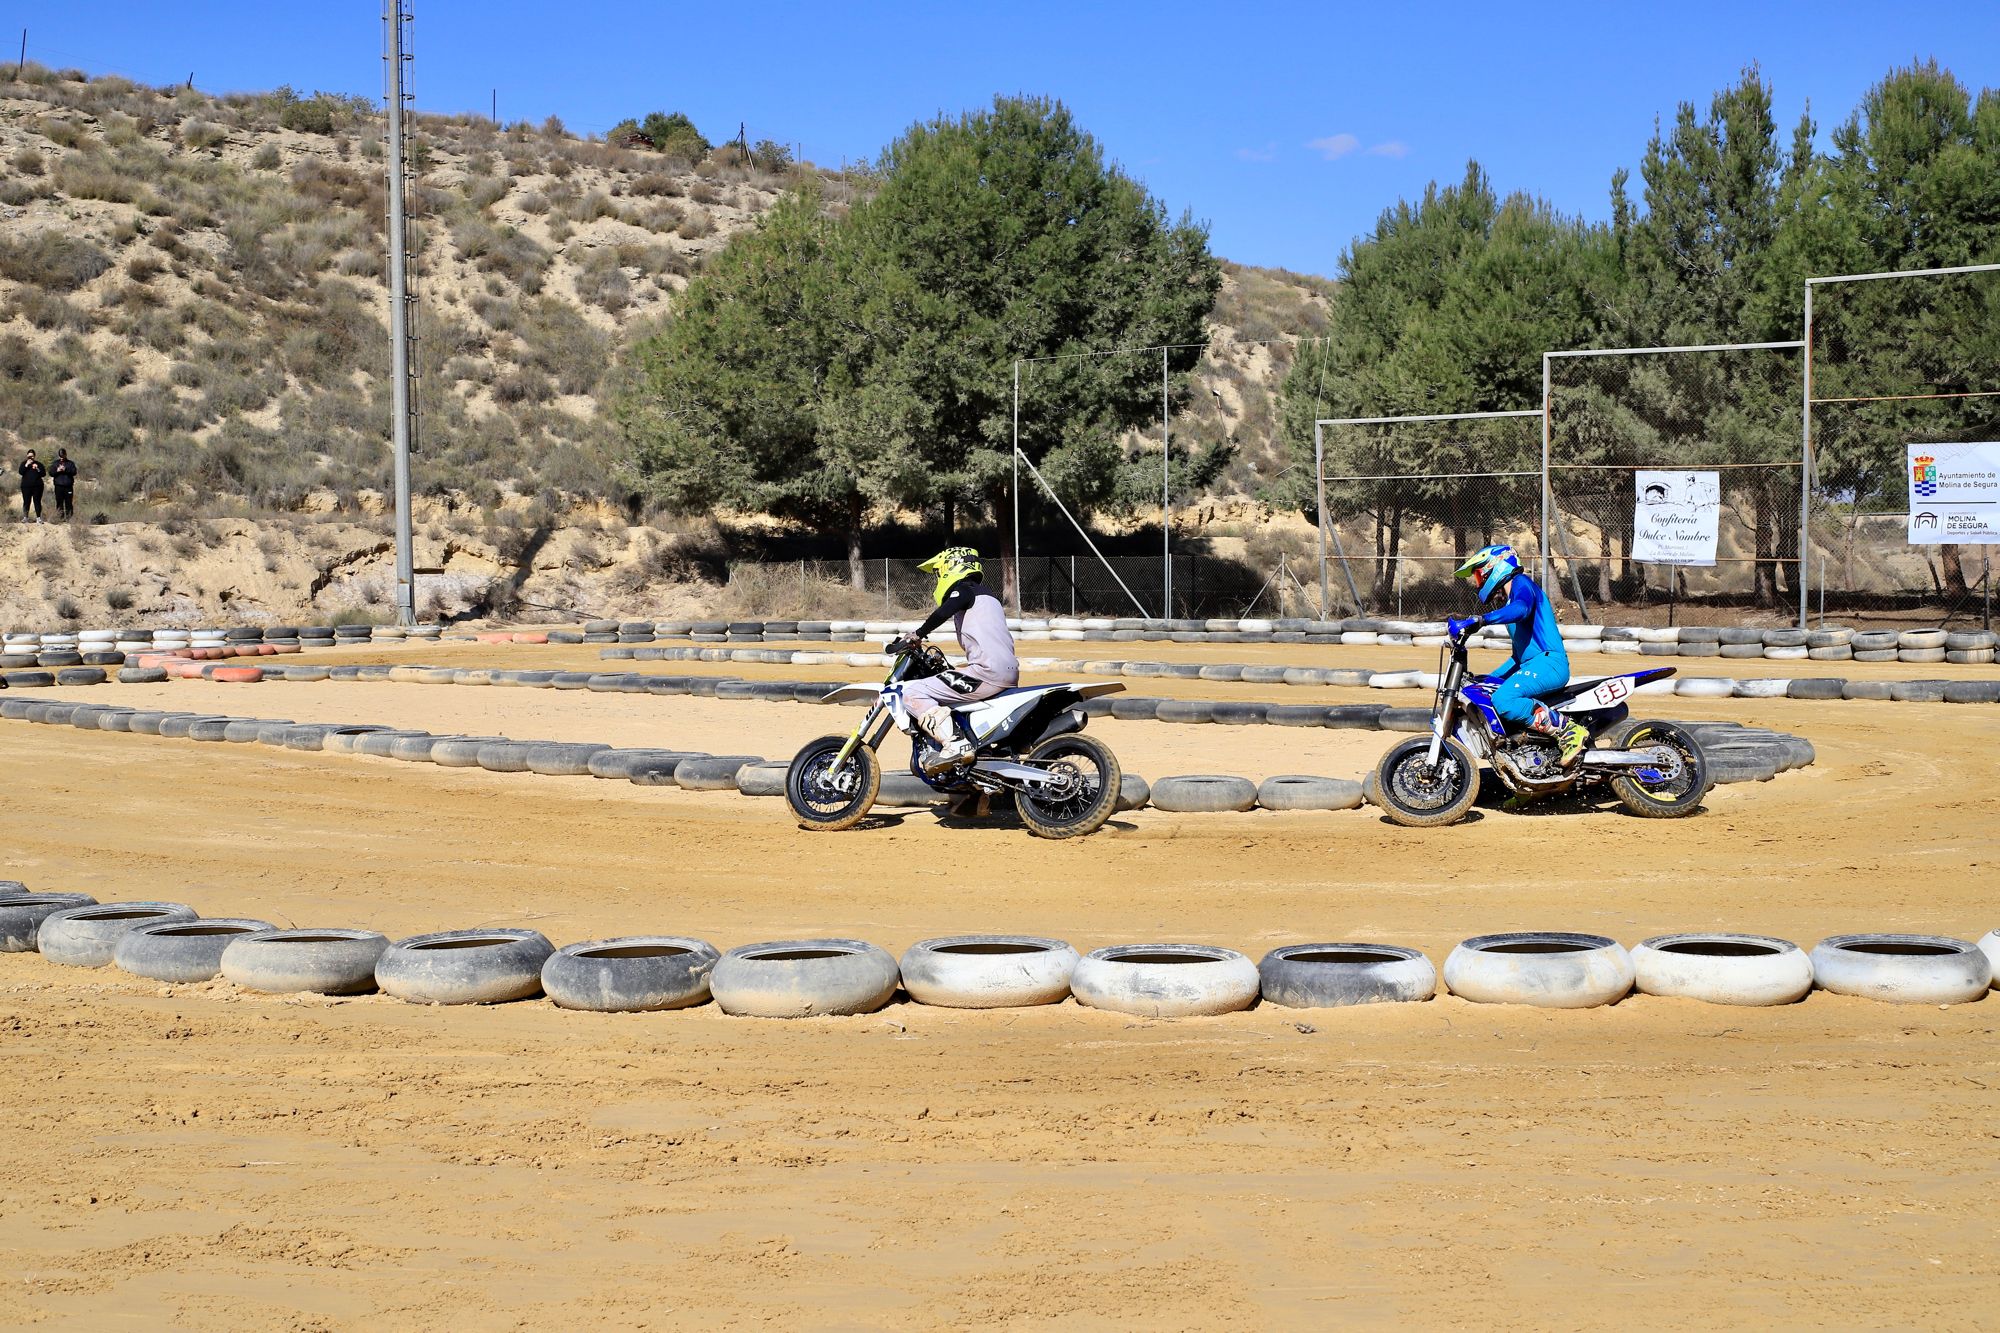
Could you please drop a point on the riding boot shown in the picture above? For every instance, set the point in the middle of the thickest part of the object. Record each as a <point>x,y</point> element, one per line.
<point>951,747</point>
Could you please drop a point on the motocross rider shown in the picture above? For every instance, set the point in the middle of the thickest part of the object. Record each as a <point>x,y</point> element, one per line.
<point>981,624</point>
<point>1540,663</point>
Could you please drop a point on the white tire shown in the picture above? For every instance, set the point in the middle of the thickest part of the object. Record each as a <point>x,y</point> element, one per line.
<point>1552,969</point>
<point>803,979</point>
<point>1723,969</point>
<point>1761,687</point>
<point>988,971</point>
<point>1989,944</point>
<point>1165,980</point>
<point>1704,687</point>
<point>1902,969</point>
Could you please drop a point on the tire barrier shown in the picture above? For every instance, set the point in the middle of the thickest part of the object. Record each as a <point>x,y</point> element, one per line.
<point>1331,976</point>
<point>1165,980</point>
<point>1902,969</point>
<point>1553,970</point>
<point>86,936</point>
<point>803,979</point>
<point>21,916</point>
<point>320,962</point>
<point>1203,794</point>
<point>181,951</point>
<point>1293,791</point>
<point>713,772</point>
<point>1723,969</point>
<point>988,971</point>
<point>633,974</point>
<point>464,966</point>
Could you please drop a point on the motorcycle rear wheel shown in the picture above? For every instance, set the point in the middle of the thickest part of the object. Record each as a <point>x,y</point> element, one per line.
<point>1675,800</point>
<point>1098,779</point>
<point>826,800</point>
<point>1414,795</point>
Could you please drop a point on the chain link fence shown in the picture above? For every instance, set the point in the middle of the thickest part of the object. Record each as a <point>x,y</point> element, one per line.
<point>1897,360</point>
<point>1730,410</point>
<point>1403,500</point>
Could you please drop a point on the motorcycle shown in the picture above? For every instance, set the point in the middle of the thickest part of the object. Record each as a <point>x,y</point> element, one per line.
<point>1025,741</point>
<point>1656,769</point>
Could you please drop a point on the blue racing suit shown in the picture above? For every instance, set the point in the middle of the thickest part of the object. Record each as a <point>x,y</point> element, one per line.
<point>1540,662</point>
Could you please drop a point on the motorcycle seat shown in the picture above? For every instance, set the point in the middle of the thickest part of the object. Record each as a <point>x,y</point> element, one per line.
<point>1578,688</point>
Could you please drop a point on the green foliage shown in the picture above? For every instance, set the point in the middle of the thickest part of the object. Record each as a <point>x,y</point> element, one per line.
<point>821,366</point>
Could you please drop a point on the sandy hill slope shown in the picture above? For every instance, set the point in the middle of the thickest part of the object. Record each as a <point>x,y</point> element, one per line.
<point>193,302</point>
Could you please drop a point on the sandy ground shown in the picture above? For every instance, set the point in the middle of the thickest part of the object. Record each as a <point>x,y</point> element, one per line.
<point>198,1157</point>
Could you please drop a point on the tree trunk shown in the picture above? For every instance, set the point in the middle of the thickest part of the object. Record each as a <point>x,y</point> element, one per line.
<point>1010,558</point>
<point>1954,571</point>
<point>857,577</point>
<point>1767,547</point>
<point>1605,518</point>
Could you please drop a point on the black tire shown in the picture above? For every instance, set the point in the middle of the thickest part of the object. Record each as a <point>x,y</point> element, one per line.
<point>1675,800</point>
<point>829,809</point>
<point>1414,798</point>
<point>1095,797</point>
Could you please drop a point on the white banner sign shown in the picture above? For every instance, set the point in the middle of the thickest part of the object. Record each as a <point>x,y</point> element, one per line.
<point>1954,493</point>
<point>1676,516</point>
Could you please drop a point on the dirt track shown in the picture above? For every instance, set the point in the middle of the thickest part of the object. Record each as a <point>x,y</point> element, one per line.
<point>200,1157</point>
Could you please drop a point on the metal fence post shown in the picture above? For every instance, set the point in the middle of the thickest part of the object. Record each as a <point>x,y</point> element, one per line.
<point>1547,415</point>
<point>1806,465</point>
<point>1166,500</point>
<point>1319,484</point>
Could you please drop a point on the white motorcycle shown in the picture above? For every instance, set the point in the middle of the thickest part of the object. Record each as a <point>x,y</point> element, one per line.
<point>1026,741</point>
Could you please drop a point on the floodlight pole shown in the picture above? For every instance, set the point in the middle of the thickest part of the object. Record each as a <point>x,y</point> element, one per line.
<point>1166,501</point>
<point>1806,461</point>
<point>399,313</point>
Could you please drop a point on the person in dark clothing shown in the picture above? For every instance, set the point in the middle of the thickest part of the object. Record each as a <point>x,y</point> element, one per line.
<point>63,473</point>
<point>32,473</point>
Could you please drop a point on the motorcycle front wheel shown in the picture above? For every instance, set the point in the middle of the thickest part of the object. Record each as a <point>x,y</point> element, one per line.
<point>825,797</point>
<point>1089,791</point>
<point>1661,800</point>
<point>1416,795</point>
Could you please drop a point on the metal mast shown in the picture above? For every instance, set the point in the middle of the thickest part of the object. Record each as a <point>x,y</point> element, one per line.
<point>396,55</point>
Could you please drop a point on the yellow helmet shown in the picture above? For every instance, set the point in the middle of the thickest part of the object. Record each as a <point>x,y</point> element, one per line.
<point>950,565</point>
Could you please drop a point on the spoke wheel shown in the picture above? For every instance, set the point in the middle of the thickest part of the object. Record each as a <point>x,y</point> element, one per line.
<point>827,797</point>
<point>1088,776</point>
<point>1678,796</point>
<point>1417,795</point>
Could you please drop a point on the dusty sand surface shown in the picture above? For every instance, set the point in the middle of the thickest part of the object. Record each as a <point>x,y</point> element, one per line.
<point>199,1157</point>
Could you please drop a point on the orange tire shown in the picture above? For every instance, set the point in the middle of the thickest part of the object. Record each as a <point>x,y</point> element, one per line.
<point>185,670</point>
<point>530,638</point>
<point>237,675</point>
<point>501,637</point>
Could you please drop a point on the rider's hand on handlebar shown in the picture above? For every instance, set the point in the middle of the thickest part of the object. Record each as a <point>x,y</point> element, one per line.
<point>901,644</point>
<point>1459,629</point>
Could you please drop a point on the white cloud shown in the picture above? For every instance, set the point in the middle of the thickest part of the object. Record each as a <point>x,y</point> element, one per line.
<point>1334,146</point>
<point>1390,148</point>
<point>1268,153</point>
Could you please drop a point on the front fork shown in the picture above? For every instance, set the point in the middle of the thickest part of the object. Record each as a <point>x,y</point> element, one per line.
<point>874,742</point>
<point>1441,726</point>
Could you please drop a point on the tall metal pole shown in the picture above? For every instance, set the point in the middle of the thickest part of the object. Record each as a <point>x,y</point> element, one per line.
<point>1546,506</point>
<point>1017,487</point>
<point>1319,486</point>
<point>1805,460</point>
<point>1166,501</point>
<point>399,314</point>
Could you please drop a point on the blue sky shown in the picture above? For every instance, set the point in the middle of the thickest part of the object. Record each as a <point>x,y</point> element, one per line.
<point>1288,127</point>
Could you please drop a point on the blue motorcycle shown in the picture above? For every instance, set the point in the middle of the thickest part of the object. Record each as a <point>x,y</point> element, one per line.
<point>1655,768</point>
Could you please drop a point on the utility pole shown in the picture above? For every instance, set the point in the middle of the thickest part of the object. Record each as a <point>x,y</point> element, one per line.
<point>394,18</point>
<point>496,107</point>
<point>22,67</point>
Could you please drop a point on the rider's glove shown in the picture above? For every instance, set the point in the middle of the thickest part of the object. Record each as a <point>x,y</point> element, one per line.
<point>899,645</point>
<point>1459,628</point>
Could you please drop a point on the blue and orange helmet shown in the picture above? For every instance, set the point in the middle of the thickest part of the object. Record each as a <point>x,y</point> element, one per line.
<point>1491,568</point>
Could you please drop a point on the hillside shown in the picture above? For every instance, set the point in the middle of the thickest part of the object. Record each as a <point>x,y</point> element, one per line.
<point>192,301</point>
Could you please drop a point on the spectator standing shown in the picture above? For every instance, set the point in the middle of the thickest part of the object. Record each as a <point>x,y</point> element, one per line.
<point>32,473</point>
<point>63,473</point>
